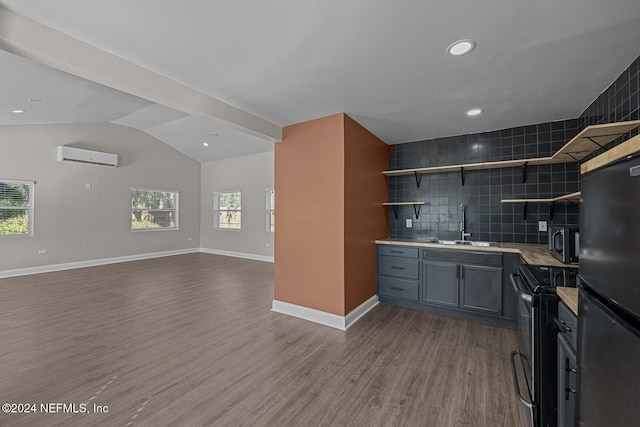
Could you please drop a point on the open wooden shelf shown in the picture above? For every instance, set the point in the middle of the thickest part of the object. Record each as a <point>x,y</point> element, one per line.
<point>566,198</point>
<point>573,197</point>
<point>586,142</point>
<point>416,207</point>
<point>627,148</point>
<point>404,203</point>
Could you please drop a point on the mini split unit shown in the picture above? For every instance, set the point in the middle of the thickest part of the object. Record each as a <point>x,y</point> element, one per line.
<point>79,155</point>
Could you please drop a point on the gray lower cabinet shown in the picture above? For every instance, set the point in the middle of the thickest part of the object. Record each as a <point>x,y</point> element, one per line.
<point>470,287</point>
<point>398,288</point>
<point>456,282</point>
<point>398,272</point>
<point>481,288</point>
<point>567,365</point>
<point>441,283</point>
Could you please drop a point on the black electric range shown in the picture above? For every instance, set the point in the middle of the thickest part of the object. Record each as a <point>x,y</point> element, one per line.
<point>535,286</point>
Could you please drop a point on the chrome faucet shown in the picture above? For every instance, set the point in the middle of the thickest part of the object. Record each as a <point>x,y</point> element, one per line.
<point>463,234</point>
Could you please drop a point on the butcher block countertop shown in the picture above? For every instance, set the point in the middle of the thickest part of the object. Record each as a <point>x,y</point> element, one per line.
<point>569,296</point>
<point>532,254</point>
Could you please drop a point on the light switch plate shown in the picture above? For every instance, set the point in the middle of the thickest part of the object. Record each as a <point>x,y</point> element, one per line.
<point>409,223</point>
<point>542,225</point>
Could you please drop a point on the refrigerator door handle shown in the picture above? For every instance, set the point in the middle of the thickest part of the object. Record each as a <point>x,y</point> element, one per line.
<point>521,294</point>
<point>516,383</point>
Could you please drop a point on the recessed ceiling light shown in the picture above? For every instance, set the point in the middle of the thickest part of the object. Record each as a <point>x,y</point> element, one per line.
<point>206,144</point>
<point>461,47</point>
<point>17,111</point>
<point>473,112</point>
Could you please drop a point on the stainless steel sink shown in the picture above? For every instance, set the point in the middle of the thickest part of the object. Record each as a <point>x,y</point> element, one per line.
<point>465,242</point>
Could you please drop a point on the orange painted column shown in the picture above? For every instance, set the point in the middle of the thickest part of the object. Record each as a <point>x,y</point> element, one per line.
<point>329,194</point>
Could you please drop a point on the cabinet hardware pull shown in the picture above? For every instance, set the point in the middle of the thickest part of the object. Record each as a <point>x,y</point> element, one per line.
<point>397,268</point>
<point>561,325</point>
<point>397,252</point>
<point>397,289</point>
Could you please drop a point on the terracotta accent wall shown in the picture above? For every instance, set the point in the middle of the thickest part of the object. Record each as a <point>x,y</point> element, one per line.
<point>329,190</point>
<point>365,218</point>
<point>309,228</point>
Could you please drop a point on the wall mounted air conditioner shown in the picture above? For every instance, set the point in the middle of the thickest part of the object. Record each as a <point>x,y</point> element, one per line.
<point>80,155</point>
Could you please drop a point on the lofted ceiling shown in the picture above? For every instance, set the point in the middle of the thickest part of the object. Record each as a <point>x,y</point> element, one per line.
<point>287,61</point>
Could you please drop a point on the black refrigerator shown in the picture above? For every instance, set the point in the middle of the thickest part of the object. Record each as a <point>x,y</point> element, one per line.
<point>608,387</point>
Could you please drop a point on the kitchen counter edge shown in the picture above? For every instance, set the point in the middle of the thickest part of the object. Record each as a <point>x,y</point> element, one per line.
<point>569,296</point>
<point>532,254</point>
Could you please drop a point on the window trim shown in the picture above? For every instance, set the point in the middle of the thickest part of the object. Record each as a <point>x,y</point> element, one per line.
<point>270,227</point>
<point>30,208</point>
<point>216,210</point>
<point>176,220</point>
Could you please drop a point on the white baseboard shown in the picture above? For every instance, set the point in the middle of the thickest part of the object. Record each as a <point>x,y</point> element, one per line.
<point>103,261</point>
<point>322,317</point>
<point>360,311</point>
<point>91,263</point>
<point>254,257</point>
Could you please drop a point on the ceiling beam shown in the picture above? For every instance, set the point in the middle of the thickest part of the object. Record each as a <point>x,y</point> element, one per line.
<point>30,39</point>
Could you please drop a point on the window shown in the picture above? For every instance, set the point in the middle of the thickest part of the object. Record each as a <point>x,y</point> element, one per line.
<point>226,211</point>
<point>154,209</point>
<point>16,208</point>
<point>271,210</point>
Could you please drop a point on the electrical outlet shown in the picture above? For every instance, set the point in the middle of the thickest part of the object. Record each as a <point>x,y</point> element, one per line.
<point>542,225</point>
<point>42,251</point>
<point>87,186</point>
<point>409,223</point>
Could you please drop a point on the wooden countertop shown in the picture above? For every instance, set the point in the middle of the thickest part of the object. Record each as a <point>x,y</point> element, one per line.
<point>532,254</point>
<point>569,296</point>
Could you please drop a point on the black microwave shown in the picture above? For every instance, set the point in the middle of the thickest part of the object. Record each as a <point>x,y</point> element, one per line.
<point>564,243</point>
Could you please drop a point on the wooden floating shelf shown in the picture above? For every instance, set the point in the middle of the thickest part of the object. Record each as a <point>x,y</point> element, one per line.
<point>470,166</point>
<point>627,148</point>
<point>404,203</point>
<point>566,198</point>
<point>573,197</point>
<point>586,142</point>
<point>416,207</point>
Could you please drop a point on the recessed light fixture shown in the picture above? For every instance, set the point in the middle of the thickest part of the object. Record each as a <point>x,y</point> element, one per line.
<point>461,47</point>
<point>473,112</point>
<point>206,144</point>
<point>17,111</point>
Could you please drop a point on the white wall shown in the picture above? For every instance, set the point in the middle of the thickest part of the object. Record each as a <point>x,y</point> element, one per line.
<point>74,224</point>
<point>251,175</point>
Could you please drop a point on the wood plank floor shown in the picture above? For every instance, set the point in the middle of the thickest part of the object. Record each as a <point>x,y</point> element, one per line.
<point>190,340</point>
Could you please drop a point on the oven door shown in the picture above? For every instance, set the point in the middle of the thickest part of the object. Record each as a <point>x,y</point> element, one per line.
<point>524,352</point>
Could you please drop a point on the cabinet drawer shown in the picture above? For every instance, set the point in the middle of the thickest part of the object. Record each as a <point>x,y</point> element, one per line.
<point>569,324</point>
<point>463,256</point>
<point>398,288</point>
<point>401,251</point>
<point>398,267</point>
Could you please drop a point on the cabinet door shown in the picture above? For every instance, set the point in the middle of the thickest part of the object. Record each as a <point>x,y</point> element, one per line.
<point>481,288</point>
<point>440,283</point>
<point>566,383</point>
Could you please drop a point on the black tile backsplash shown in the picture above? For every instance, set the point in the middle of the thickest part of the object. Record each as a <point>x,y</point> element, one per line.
<point>616,104</point>
<point>486,217</point>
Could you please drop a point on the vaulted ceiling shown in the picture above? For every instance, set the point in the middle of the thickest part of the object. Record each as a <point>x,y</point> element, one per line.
<point>231,73</point>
